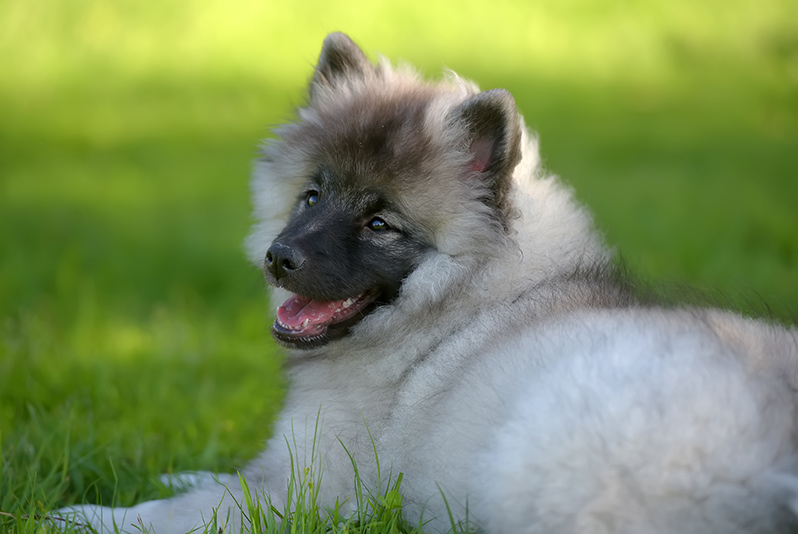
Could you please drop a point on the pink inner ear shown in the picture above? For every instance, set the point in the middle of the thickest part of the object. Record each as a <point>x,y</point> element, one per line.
<point>482,149</point>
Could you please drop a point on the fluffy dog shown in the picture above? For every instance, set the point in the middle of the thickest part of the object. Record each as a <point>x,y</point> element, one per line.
<point>447,303</point>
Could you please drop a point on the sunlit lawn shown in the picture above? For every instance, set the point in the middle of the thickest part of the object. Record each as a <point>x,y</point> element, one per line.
<point>134,334</point>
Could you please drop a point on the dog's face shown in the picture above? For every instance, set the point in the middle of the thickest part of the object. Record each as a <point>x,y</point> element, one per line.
<point>382,172</point>
<point>345,250</point>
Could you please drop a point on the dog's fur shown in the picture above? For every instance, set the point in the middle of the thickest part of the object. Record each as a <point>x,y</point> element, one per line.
<point>496,358</point>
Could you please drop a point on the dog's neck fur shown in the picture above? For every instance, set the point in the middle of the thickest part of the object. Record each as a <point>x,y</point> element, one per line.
<point>553,234</point>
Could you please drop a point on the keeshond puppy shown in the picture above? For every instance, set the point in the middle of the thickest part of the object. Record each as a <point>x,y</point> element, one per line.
<point>449,309</point>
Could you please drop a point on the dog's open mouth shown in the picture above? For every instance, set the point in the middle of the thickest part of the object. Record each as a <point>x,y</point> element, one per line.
<point>305,323</point>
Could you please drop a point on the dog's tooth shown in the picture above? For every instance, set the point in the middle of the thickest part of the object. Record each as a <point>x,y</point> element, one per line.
<point>348,302</point>
<point>305,323</point>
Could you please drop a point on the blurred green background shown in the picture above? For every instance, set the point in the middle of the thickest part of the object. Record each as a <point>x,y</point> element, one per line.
<point>135,335</point>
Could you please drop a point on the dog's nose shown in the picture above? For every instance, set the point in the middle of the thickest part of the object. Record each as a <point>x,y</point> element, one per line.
<point>282,260</point>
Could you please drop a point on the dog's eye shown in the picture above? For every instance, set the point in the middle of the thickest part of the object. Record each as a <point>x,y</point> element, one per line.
<point>312,198</point>
<point>377,225</point>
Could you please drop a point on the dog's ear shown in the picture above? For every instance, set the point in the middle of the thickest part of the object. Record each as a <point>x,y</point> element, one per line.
<point>494,138</point>
<point>340,58</point>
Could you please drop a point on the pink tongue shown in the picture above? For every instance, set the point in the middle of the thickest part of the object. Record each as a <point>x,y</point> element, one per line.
<point>297,309</point>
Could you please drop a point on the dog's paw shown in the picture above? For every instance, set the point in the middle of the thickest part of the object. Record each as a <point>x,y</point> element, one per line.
<point>92,518</point>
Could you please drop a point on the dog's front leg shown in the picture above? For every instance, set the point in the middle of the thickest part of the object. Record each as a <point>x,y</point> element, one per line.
<point>214,505</point>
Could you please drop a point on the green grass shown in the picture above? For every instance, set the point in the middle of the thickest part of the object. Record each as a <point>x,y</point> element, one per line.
<point>133,334</point>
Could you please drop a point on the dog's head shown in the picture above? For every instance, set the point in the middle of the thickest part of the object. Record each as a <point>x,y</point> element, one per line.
<point>379,170</point>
